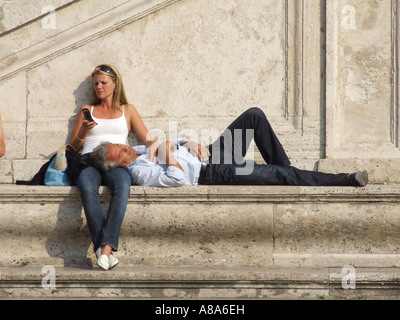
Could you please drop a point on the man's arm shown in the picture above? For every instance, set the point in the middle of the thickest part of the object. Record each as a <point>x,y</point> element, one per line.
<point>146,173</point>
<point>165,153</point>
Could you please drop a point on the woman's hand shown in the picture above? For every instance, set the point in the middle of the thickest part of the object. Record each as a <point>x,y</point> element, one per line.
<point>81,129</point>
<point>87,125</point>
<point>85,128</point>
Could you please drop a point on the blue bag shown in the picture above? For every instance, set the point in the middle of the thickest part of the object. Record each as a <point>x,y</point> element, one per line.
<point>56,174</point>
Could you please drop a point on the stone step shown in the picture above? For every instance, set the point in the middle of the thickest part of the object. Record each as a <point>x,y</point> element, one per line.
<point>219,242</point>
<point>218,226</point>
<point>165,283</point>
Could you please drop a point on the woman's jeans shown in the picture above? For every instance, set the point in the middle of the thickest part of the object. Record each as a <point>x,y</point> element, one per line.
<point>104,230</point>
<point>228,167</point>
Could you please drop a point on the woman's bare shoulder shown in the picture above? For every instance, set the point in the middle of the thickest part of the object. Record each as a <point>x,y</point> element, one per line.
<point>130,109</point>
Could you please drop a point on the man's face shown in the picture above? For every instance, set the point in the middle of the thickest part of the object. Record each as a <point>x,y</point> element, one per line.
<point>121,154</point>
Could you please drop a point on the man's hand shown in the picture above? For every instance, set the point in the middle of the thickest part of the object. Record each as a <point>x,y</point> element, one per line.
<point>197,150</point>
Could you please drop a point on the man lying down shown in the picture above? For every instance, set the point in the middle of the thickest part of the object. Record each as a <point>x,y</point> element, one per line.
<point>186,163</point>
<point>178,167</point>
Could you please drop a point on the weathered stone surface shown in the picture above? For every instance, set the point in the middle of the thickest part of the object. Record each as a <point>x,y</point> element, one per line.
<point>197,283</point>
<point>362,107</point>
<point>209,226</point>
<point>191,67</point>
<point>188,74</point>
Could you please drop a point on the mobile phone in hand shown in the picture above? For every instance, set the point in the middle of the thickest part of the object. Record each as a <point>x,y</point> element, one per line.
<point>87,114</point>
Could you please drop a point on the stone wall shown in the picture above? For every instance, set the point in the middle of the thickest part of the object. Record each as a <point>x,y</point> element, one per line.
<point>362,101</point>
<point>191,67</point>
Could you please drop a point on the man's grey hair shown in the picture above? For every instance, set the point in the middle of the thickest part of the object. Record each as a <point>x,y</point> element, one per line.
<point>99,156</point>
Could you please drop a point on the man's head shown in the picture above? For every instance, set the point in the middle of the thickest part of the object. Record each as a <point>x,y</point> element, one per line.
<point>108,156</point>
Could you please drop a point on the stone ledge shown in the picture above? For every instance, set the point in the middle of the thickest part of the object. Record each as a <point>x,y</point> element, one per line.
<point>48,194</point>
<point>209,226</point>
<point>198,283</point>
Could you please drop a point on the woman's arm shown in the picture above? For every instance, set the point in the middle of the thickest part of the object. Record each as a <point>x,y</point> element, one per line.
<point>2,143</point>
<point>136,124</point>
<point>81,129</point>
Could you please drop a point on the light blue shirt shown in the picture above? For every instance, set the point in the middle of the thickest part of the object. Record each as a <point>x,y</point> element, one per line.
<point>147,173</point>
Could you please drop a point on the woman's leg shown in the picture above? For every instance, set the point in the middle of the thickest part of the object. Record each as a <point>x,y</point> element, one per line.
<point>119,181</point>
<point>88,183</point>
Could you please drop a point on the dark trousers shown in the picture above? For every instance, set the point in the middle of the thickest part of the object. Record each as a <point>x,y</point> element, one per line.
<point>228,167</point>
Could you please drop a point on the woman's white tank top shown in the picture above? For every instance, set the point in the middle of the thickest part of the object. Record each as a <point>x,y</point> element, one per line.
<point>112,130</point>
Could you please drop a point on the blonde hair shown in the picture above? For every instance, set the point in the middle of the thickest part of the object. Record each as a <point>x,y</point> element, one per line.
<point>119,97</point>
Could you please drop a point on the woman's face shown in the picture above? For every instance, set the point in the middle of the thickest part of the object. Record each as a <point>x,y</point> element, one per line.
<point>104,86</point>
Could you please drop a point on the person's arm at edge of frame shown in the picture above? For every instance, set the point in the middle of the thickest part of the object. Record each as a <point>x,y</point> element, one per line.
<point>2,143</point>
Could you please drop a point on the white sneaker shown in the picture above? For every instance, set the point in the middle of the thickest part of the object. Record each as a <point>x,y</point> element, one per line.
<point>102,260</point>
<point>113,261</point>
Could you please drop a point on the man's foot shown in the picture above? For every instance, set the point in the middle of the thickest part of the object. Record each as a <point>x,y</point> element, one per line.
<point>361,178</point>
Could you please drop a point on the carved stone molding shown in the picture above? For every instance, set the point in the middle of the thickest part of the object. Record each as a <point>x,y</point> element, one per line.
<point>362,79</point>
<point>32,45</point>
<point>395,112</point>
